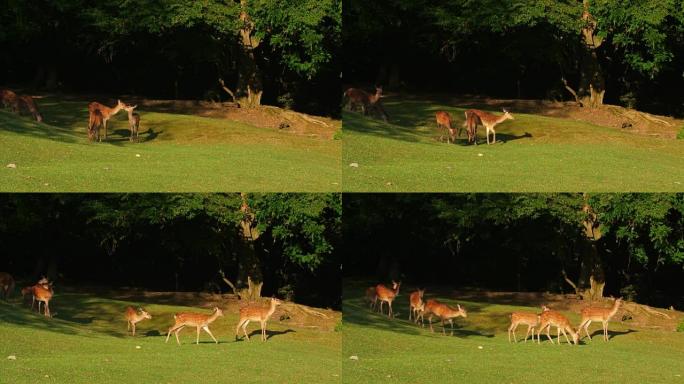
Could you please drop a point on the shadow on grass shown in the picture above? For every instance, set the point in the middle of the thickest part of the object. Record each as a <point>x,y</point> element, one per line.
<point>12,123</point>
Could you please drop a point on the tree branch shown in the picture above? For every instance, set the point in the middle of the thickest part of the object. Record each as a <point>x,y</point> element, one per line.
<point>572,91</point>
<point>225,88</point>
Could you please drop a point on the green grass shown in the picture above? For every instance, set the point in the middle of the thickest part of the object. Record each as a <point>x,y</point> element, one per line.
<point>538,154</point>
<point>396,351</point>
<point>177,153</point>
<point>86,342</point>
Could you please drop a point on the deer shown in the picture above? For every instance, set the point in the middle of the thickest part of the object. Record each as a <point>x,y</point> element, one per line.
<point>387,295</point>
<point>43,294</point>
<point>256,313</point>
<point>133,120</point>
<point>360,97</point>
<point>470,124</point>
<point>444,123</point>
<point>25,292</point>
<point>9,99</point>
<point>134,316</point>
<point>488,120</point>
<point>106,112</point>
<point>6,285</point>
<point>416,305</point>
<point>553,318</point>
<point>95,124</point>
<point>198,320</point>
<point>372,298</point>
<point>603,315</point>
<point>30,104</point>
<point>444,312</point>
<point>44,283</point>
<point>525,318</point>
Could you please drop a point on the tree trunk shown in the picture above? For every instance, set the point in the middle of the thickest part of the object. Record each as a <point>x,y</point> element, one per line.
<point>592,273</point>
<point>249,264</point>
<point>592,84</point>
<point>249,85</point>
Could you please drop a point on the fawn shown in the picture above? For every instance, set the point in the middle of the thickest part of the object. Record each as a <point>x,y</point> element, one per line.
<point>135,316</point>
<point>106,114</point>
<point>30,104</point>
<point>603,315</point>
<point>133,121</point>
<point>387,295</point>
<point>6,284</point>
<point>198,320</point>
<point>42,293</point>
<point>444,312</point>
<point>552,318</point>
<point>444,123</point>
<point>525,318</point>
<point>258,313</point>
<point>371,297</point>
<point>416,305</point>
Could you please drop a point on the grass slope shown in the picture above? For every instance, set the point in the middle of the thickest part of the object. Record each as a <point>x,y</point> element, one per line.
<point>87,343</point>
<point>538,154</point>
<point>400,352</point>
<point>177,153</point>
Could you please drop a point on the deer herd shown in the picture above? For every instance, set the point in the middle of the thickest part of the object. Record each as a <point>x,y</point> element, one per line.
<point>42,293</point>
<point>535,322</point>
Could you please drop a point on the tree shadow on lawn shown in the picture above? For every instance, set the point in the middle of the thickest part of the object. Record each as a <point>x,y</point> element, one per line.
<point>24,126</point>
<point>123,137</point>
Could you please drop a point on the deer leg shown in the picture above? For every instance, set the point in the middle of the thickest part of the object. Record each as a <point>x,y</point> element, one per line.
<point>237,329</point>
<point>198,332</point>
<point>511,329</point>
<point>548,333</point>
<point>244,329</point>
<point>430,322</point>
<point>133,324</point>
<point>566,337</point>
<point>586,329</point>
<point>381,303</point>
<point>263,331</point>
<point>605,330</point>
<point>105,129</point>
<point>410,312</point>
<point>443,327</point>
<point>176,333</point>
<point>47,309</point>
<point>390,313</point>
<point>206,329</point>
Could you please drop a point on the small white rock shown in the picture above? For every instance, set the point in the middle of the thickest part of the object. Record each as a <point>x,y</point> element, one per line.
<point>137,155</point>
<point>480,154</point>
<point>354,165</point>
<point>137,347</point>
<point>12,165</point>
<point>354,357</point>
<point>46,184</point>
<point>480,347</point>
<point>11,357</point>
<point>47,376</point>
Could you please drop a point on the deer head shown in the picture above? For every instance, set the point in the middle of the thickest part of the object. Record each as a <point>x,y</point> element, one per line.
<point>462,311</point>
<point>144,313</point>
<point>507,114</point>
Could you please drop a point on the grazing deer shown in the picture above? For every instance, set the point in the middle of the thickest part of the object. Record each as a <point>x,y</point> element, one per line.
<point>387,295</point>
<point>9,99</point>
<point>372,297</point>
<point>256,313</point>
<point>106,113</point>
<point>552,318</point>
<point>525,318</point>
<point>444,123</point>
<point>42,294</point>
<point>360,97</point>
<point>95,124</point>
<point>444,312</point>
<point>135,316</point>
<point>603,315</point>
<point>489,121</point>
<point>416,305</point>
<point>199,320</point>
<point>30,104</point>
<point>6,284</point>
<point>470,124</point>
<point>133,121</point>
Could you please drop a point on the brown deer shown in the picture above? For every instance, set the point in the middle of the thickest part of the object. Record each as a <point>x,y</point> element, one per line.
<point>6,285</point>
<point>9,99</point>
<point>355,96</point>
<point>525,318</point>
<point>386,295</point>
<point>135,316</point>
<point>133,121</point>
<point>43,294</point>
<point>470,124</point>
<point>553,318</point>
<point>106,113</point>
<point>258,313</point>
<point>488,120</point>
<point>198,320</point>
<point>603,315</point>
<point>416,305</point>
<point>44,283</point>
<point>30,105</point>
<point>371,297</point>
<point>444,312</point>
<point>444,123</point>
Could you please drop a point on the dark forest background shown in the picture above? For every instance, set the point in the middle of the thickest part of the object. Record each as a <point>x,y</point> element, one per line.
<point>630,52</point>
<point>629,245</point>
<point>272,51</point>
<point>177,242</point>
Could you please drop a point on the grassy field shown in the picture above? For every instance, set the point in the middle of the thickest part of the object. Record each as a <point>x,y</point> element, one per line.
<point>176,153</point>
<point>86,342</point>
<point>534,154</point>
<point>397,351</point>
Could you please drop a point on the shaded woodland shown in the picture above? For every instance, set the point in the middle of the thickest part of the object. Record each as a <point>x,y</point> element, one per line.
<point>629,53</point>
<point>184,242</point>
<point>593,245</point>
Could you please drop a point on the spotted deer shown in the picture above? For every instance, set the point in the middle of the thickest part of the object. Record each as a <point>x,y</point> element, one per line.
<point>258,313</point>
<point>134,316</point>
<point>358,97</point>
<point>386,295</point>
<point>524,318</point>
<point>28,103</point>
<point>553,318</point>
<point>444,312</point>
<point>488,120</point>
<point>198,320</point>
<point>444,124</point>
<point>603,315</point>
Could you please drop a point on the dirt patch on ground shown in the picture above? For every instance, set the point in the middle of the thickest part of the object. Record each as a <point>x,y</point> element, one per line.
<point>268,117</point>
<point>630,313</point>
<point>628,120</point>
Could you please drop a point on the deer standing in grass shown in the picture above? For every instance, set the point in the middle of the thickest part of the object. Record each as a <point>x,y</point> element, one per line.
<point>372,298</point>
<point>256,313</point>
<point>444,123</point>
<point>43,294</point>
<point>30,105</point>
<point>9,99</point>
<point>470,124</point>
<point>603,315</point>
<point>386,295</point>
<point>6,284</point>
<point>417,305</point>
<point>198,320</point>
<point>444,312</point>
<point>106,114</point>
<point>133,121</point>
<point>135,316</point>
<point>367,102</point>
<point>552,318</point>
<point>524,318</point>
<point>488,120</point>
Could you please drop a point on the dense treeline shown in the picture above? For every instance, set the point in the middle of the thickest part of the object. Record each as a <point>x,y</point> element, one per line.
<point>605,244</point>
<point>178,242</point>
<point>283,50</point>
<point>631,50</point>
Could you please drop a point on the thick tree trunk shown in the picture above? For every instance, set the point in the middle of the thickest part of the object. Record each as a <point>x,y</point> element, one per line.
<point>592,274</point>
<point>249,86</point>
<point>592,84</point>
<point>249,264</point>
